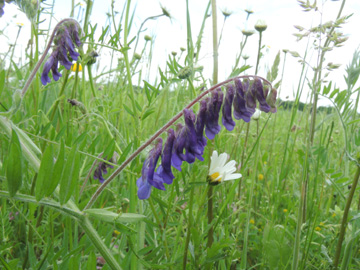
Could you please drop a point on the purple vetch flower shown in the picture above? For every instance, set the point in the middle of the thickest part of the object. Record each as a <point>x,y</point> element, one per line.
<point>164,170</point>
<point>149,177</point>
<point>212,126</point>
<point>250,98</point>
<point>239,103</point>
<point>200,125</point>
<point>261,96</point>
<point>64,50</point>
<point>186,140</point>
<point>227,120</point>
<point>102,169</point>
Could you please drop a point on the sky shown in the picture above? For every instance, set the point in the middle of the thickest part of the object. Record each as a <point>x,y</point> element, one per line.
<point>169,35</point>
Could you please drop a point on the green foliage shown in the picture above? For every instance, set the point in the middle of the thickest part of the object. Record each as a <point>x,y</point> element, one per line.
<point>14,165</point>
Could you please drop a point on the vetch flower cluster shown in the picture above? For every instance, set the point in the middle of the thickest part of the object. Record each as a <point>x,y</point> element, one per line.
<point>67,37</point>
<point>187,142</point>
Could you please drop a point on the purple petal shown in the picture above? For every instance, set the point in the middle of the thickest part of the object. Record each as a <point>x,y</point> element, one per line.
<point>227,120</point>
<point>212,126</point>
<point>144,190</point>
<point>239,103</point>
<point>260,95</point>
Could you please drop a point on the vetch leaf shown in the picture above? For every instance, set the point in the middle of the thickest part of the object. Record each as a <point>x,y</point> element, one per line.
<point>111,217</point>
<point>70,175</point>
<point>57,171</point>
<point>45,173</point>
<point>14,165</point>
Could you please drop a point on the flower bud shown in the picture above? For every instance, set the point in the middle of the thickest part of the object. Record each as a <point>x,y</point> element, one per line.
<point>260,26</point>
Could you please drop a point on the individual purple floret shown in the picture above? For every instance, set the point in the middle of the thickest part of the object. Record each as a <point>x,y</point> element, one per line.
<point>164,170</point>
<point>149,177</point>
<point>212,126</point>
<point>200,125</point>
<point>261,96</point>
<point>240,109</point>
<point>63,51</point>
<point>186,140</point>
<point>100,170</point>
<point>227,120</point>
<point>250,97</point>
<point>271,99</point>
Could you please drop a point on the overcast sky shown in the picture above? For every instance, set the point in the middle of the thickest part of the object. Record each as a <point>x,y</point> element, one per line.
<point>279,15</point>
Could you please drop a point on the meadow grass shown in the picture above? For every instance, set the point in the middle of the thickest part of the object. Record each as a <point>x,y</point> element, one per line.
<point>296,206</point>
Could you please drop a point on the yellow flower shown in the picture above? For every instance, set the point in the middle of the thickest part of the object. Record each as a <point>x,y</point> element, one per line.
<point>318,229</point>
<point>19,24</point>
<point>265,162</point>
<point>334,215</point>
<point>252,221</point>
<point>322,224</point>
<point>116,232</point>
<point>75,66</point>
<point>285,210</point>
<point>261,176</point>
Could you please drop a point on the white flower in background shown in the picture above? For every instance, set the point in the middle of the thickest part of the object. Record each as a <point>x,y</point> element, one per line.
<point>256,114</point>
<point>220,170</point>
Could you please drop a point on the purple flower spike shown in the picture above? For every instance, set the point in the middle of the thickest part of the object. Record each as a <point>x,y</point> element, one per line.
<point>164,169</point>
<point>227,120</point>
<point>271,99</point>
<point>149,177</point>
<point>179,143</point>
<point>100,170</point>
<point>212,126</point>
<point>63,52</point>
<point>261,97</point>
<point>240,109</point>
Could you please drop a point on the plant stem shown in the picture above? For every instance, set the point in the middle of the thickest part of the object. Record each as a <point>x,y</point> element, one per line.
<point>259,53</point>
<point>188,232</point>
<point>345,217</point>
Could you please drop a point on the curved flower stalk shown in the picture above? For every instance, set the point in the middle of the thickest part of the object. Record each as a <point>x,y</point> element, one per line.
<point>187,143</point>
<point>67,37</point>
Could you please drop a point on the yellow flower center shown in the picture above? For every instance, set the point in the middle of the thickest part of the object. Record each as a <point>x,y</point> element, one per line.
<point>214,176</point>
<point>75,66</point>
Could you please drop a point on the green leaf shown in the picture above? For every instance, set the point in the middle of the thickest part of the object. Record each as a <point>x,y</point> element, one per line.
<point>57,171</point>
<point>2,81</point>
<point>14,165</point>
<point>70,175</point>
<point>45,173</point>
<point>111,217</point>
<point>147,113</point>
<point>128,110</point>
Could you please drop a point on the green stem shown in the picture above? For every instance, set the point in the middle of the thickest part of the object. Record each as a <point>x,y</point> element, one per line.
<point>259,53</point>
<point>98,243</point>
<point>188,232</point>
<point>345,217</point>
<point>215,42</point>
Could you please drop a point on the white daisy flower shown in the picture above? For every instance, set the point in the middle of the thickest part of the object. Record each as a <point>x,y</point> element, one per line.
<point>220,170</point>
